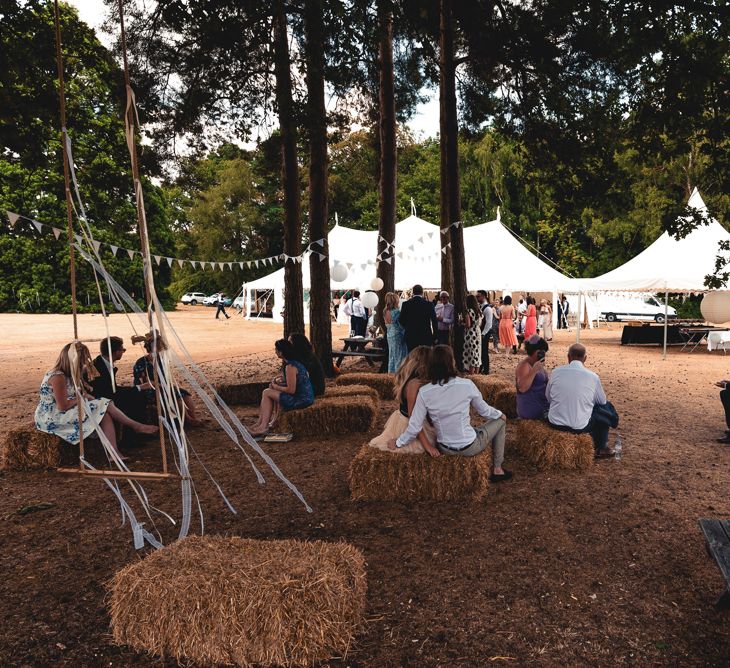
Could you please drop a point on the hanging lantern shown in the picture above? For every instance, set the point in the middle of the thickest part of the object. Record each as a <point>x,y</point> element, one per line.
<point>377,284</point>
<point>715,306</point>
<point>370,300</point>
<point>339,273</point>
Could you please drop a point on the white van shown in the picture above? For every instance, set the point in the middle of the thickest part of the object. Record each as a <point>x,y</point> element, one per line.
<point>647,309</point>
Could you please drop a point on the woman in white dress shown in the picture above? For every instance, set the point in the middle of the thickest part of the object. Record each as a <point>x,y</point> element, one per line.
<point>57,412</point>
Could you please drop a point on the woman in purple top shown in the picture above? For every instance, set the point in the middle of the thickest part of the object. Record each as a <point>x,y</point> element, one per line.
<point>532,380</point>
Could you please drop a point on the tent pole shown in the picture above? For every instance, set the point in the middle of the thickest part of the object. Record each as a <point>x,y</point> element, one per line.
<point>666,313</point>
<point>580,316</point>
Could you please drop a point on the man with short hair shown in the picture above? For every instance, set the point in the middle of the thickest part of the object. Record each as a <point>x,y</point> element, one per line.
<point>487,322</point>
<point>356,312</point>
<point>221,306</point>
<point>578,403</point>
<point>445,317</point>
<point>418,319</point>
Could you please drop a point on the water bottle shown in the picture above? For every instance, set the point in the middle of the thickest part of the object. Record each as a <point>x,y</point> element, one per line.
<point>617,447</point>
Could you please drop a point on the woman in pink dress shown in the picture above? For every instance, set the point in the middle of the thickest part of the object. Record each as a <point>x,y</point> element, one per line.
<point>531,318</point>
<point>507,336</point>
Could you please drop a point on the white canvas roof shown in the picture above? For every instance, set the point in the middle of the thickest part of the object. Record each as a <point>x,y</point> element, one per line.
<point>669,264</point>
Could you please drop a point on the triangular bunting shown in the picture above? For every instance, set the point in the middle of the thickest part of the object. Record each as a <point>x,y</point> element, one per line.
<point>169,261</point>
<point>130,253</point>
<point>389,260</point>
<point>220,266</point>
<point>158,259</point>
<point>240,264</point>
<point>181,263</point>
<point>37,225</point>
<point>320,242</point>
<point>12,218</point>
<point>56,232</point>
<point>96,244</point>
<point>349,265</point>
<point>114,249</point>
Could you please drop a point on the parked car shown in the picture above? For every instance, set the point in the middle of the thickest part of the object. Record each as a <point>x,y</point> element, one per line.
<point>213,299</point>
<point>650,309</point>
<point>238,302</point>
<point>193,298</point>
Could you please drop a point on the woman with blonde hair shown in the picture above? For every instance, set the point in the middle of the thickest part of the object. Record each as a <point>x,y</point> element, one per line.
<point>397,350</point>
<point>412,374</point>
<point>57,412</point>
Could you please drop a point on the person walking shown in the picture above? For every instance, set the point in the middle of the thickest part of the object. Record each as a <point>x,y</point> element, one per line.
<point>445,316</point>
<point>418,319</point>
<point>394,332</point>
<point>507,336</point>
<point>221,304</point>
<point>530,318</point>
<point>487,322</point>
<point>472,335</point>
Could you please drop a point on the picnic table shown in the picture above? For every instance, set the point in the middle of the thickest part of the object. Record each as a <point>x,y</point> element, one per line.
<point>357,346</point>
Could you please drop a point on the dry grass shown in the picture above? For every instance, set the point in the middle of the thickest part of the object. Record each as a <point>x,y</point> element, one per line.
<point>381,382</point>
<point>330,416</point>
<point>352,391</point>
<point>229,600</point>
<point>376,475</point>
<point>246,393</point>
<point>27,449</point>
<point>549,449</point>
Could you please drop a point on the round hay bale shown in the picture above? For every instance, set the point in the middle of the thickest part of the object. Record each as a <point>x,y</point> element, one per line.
<point>331,416</point>
<point>352,391</point>
<point>376,475</point>
<point>229,600</point>
<point>550,449</point>
<point>27,449</point>
<point>381,382</point>
<point>242,393</point>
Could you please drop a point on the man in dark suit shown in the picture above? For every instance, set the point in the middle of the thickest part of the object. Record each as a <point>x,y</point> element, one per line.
<point>418,318</point>
<point>130,400</point>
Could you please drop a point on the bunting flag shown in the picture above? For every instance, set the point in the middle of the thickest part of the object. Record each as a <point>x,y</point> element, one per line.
<point>38,226</point>
<point>319,241</point>
<point>96,245</point>
<point>12,218</point>
<point>130,253</point>
<point>169,261</point>
<point>113,249</point>
<point>180,263</point>
<point>57,232</point>
<point>158,259</point>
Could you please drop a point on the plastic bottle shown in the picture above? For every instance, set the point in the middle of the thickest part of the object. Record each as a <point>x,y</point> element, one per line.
<point>617,448</point>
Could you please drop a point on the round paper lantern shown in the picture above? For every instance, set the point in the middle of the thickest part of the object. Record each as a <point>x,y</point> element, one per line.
<point>370,300</point>
<point>377,284</point>
<point>339,273</point>
<point>715,306</point>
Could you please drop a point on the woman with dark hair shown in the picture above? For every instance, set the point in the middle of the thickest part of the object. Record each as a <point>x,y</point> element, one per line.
<point>472,335</point>
<point>530,318</point>
<point>294,390</point>
<point>532,380</point>
<point>507,336</point>
<point>447,401</point>
<point>305,355</point>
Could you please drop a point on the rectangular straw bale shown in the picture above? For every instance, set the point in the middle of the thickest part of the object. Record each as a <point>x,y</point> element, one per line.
<point>242,393</point>
<point>217,600</point>
<point>376,475</point>
<point>330,416</point>
<point>27,449</point>
<point>352,391</point>
<point>505,400</point>
<point>382,382</point>
<point>550,449</point>
<point>489,385</point>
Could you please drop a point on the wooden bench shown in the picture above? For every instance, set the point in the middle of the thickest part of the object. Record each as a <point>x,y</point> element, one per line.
<point>717,541</point>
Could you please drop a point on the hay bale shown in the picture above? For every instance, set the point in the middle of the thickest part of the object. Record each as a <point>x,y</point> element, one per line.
<point>505,400</point>
<point>352,391</point>
<point>550,449</point>
<point>376,475</point>
<point>229,600</point>
<point>490,385</point>
<point>381,382</point>
<point>331,415</point>
<point>27,449</point>
<point>241,394</point>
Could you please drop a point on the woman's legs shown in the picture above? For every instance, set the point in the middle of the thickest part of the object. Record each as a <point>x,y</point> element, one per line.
<point>115,414</point>
<point>109,430</point>
<point>269,400</point>
<point>191,415</point>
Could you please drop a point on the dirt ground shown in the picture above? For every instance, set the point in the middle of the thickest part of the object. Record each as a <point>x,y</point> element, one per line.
<point>601,568</point>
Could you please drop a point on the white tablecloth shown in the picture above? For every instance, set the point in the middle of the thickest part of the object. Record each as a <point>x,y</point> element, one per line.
<point>718,340</point>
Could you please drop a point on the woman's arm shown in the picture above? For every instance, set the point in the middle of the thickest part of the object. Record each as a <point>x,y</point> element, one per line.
<point>526,375</point>
<point>290,375</point>
<point>411,395</point>
<point>467,319</point>
<point>58,385</point>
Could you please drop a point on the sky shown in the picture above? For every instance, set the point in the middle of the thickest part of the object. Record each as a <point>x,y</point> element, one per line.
<point>424,124</point>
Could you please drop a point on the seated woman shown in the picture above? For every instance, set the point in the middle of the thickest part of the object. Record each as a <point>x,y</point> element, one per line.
<point>532,380</point>
<point>411,375</point>
<point>57,411</point>
<point>294,391</point>
<point>144,372</point>
<point>448,400</point>
<point>303,349</point>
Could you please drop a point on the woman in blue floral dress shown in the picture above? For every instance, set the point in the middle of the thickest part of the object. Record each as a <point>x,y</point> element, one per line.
<point>397,350</point>
<point>293,390</point>
<point>57,412</point>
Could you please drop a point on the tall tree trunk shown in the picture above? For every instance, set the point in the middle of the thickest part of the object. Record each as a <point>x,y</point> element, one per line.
<point>450,129</point>
<point>293,293</point>
<point>447,272</point>
<point>388,155</point>
<point>320,323</point>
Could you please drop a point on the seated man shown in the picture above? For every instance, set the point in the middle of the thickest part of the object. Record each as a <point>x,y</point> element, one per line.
<point>578,403</point>
<point>447,399</point>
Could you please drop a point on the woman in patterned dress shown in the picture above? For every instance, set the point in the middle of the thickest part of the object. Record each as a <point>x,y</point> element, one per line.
<point>472,335</point>
<point>57,412</point>
<point>396,343</point>
<point>507,336</point>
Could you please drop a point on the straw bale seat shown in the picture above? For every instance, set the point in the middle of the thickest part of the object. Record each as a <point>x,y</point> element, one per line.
<point>382,382</point>
<point>352,391</point>
<point>27,449</point>
<point>377,475</point>
<point>550,449</point>
<point>497,392</point>
<point>331,416</point>
<point>218,600</point>
<point>242,393</point>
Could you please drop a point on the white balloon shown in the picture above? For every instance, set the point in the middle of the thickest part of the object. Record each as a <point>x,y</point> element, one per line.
<point>376,283</point>
<point>339,273</point>
<point>715,306</point>
<point>370,300</point>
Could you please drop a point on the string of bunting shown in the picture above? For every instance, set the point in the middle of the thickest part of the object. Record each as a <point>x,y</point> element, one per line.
<point>444,230</point>
<point>202,264</point>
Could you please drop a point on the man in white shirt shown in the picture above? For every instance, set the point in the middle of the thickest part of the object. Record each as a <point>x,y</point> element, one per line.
<point>447,400</point>
<point>574,394</point>
<point>487,322</point>
<point>356,312</point>
<point>445,317</point>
